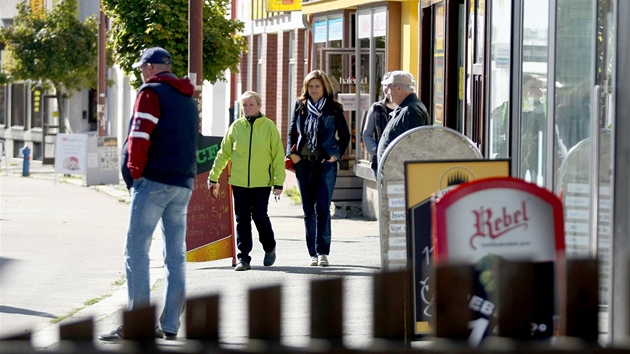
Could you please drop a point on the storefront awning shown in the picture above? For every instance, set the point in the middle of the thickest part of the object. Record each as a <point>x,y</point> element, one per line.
<point>315,7</point>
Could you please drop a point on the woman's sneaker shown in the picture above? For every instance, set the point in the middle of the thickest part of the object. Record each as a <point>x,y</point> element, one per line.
<point>323,260</point>
<point>242,265</point>
<point>314,262</point>
<point>270,258</point>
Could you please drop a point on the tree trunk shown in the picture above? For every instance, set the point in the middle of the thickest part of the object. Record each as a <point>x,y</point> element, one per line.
<point>61,109</point>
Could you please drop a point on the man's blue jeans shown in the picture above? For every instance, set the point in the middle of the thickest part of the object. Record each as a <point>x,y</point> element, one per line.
<point>152,202</point>
<point>317,184</point>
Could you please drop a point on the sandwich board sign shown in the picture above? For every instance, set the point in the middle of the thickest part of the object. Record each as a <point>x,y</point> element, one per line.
<point>424,179</point>
<point>209,222</point>
<point>425,143</point>
<point>487,221</point>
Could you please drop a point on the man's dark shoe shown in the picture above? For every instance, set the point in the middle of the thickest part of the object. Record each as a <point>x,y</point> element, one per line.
<point>242,265</point>
<point>159,333</point>
<point>270,258</point>
<point>114,335</point>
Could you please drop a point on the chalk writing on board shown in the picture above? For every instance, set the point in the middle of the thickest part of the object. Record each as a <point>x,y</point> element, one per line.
<point>209,219</point>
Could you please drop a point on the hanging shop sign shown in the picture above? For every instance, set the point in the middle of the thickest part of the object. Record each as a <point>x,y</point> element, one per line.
<point>283,5</point>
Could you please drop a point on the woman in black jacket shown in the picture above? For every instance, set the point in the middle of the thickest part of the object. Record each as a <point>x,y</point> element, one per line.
<point>318,137</point>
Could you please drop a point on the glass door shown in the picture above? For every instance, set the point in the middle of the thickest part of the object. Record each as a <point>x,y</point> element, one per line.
<point>582,87</point>
<point>438,70</point>
<point>551,104</point>
<point>341,66</point>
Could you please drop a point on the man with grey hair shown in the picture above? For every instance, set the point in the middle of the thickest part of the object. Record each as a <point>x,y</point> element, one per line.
<point>410,113</point>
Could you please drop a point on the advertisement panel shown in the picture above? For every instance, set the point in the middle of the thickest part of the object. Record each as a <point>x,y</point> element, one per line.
<point>490,221</point>
<point>71,154</point>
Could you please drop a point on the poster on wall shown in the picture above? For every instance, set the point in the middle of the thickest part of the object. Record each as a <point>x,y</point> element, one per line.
<point>320,29</point>
<point>335,28</point>
<point>71,154</point>
<point>103,166</point>
<point>108,153</point>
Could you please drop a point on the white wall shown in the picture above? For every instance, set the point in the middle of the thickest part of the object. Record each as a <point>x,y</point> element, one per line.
<point>120,99</point>
<point>215,108</point>
<point>8,9</point>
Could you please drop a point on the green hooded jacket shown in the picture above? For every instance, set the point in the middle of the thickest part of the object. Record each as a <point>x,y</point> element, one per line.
<point>256,152</point>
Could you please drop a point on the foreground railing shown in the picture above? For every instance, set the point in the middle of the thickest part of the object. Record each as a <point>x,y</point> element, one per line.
<point>576,332</point>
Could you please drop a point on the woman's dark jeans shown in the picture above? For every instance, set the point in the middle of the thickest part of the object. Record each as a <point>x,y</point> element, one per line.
<point>316,181</point>
<point>252,203</point>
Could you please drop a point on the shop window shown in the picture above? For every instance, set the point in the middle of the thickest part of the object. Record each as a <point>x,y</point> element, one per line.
<point>92,113</point>
<point>371,30</point>
<point>37,151</point>
<point>534,110</point>
<point>18,105</point>
<point>17,148</point>
<point>499,86</point>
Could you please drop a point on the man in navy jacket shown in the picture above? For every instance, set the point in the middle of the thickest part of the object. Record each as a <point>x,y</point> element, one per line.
<point>159,167</point>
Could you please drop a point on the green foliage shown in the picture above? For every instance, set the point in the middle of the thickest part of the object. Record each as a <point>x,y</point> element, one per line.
<point>294,194</point>
<point>54,48</point>
<point>140,24</point>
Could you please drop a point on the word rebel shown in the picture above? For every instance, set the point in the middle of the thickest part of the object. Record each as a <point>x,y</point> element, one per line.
<point>487,224</point>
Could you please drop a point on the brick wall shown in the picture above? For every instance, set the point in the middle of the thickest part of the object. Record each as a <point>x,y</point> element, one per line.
<point>302,64</point>
<point>274,88</point>
<point>253,84</point>
<point>270,75</point>
<point>282,84</point>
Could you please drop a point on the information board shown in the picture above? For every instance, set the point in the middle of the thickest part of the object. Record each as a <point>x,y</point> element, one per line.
<point>103,165</point>
<point>210,221</point>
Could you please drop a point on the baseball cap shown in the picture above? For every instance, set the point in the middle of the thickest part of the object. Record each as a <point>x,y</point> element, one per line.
<point>154,55</point>
<point>400,77</point>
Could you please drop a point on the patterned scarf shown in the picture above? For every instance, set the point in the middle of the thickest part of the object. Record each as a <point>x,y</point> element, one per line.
<point>314,112</point>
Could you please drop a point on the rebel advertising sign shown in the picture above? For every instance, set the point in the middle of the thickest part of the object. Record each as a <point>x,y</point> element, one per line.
<point>489,221</point>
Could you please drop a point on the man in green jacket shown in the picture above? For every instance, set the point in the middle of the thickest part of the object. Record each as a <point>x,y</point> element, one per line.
<point>254,146</point>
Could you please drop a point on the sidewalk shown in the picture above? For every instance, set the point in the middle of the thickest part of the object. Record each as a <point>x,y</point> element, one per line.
<point>355,256</point>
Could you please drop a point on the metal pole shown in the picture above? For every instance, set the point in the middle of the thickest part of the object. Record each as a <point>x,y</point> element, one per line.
<point>620,288</point>
<point>102,77</point>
